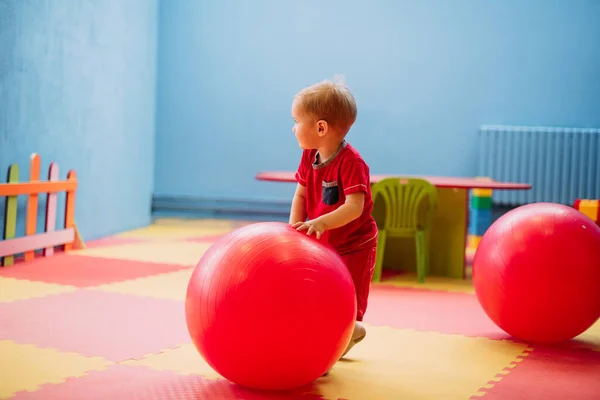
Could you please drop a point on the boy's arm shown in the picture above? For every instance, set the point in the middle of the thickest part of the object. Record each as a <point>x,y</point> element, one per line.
<point>298,210</point>
<point>346,213</point>
<point>355,180</point>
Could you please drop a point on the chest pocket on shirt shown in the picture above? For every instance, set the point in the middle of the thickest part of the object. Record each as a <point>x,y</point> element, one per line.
<point>330,194</point>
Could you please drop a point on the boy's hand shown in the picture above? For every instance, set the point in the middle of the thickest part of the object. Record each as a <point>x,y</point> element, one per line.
<point>313,226</point>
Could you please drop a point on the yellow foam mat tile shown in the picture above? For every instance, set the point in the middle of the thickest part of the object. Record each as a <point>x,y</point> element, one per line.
<point>432,283</point>
<point>26,367</point>
<point>175,232</point>
<point>389,364</point>
<point>172,285</point>
<point>167,252</point>
<point>12,289</point>
<point>590,339</point>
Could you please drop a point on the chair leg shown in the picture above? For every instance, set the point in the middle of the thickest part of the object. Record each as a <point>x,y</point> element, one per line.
<point>420,257</point>
<point>427,251</point>
<point>379,257</point>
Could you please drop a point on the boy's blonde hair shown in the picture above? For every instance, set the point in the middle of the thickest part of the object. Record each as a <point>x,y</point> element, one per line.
<point>330,101</point>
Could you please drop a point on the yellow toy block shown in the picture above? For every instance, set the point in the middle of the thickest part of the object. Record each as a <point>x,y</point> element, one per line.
<point>473,241</point>
<point>590,208</point>
<point>478,192</point>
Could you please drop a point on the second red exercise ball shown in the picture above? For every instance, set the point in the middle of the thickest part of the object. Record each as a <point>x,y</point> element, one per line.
<point>536,272</point>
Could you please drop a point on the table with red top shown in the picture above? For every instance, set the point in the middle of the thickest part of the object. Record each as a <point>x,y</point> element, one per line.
<point>450,221</point>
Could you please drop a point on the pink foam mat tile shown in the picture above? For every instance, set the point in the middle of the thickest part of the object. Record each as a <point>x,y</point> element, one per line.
<point>428,310</point>
<point>82,271</point>
<point>96,323</point>
<point>204,239</point>
<point>550,373</point>
<point>112,241</point>
<point>120,382</point>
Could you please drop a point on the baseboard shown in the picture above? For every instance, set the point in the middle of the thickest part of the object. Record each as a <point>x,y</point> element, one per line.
<point>207,207</point>
<point>499,210</point>
<point>219,207</point>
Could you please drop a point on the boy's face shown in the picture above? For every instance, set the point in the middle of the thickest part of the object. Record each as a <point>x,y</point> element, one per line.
<point>306,128</point>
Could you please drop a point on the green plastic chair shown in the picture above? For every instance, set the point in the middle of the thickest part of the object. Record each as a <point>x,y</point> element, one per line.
<point>409,206</point>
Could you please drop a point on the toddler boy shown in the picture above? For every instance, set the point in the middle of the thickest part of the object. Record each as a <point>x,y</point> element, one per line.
<point>333,195</point>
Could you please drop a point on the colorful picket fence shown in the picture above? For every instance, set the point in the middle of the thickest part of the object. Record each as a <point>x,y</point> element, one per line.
<point>65,238</point>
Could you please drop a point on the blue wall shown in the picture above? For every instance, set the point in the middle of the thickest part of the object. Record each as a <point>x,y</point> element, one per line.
<point>78,83</point>
<point>77,86</point>
<point>426,75</point>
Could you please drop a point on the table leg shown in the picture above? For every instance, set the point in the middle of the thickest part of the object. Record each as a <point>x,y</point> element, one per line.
<point>449,233</point>
<point>447,243</point>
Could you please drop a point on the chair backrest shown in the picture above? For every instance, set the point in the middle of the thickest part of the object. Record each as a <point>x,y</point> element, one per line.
<point>408,202</point>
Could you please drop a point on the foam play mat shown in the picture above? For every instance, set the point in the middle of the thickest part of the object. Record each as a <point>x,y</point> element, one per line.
<point>108,322</point>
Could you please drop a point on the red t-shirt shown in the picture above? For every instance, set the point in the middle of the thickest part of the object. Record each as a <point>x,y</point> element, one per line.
<point>327,185</point>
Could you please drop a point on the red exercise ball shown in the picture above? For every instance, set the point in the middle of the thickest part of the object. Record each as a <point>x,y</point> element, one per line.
<point>536,272</point>
<point>269,307</point>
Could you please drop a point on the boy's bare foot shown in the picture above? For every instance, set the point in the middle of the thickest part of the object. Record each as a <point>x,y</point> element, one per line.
<point>357,336</point>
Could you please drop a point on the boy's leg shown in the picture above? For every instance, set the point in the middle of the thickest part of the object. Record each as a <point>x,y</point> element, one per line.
<point>361,265</point>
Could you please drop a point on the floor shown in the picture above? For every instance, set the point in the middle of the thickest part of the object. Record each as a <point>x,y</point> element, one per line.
<point>108,322</point>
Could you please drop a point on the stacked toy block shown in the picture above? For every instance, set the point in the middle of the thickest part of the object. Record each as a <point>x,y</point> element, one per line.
<point>480,216</point>
<point>590,208</point>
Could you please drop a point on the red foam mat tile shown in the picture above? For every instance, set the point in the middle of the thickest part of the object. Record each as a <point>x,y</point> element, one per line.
<point>550,373</point>
<point>82,271</point>
<point>121,382</point>
<point>427,310</point>
<point>96,323</point>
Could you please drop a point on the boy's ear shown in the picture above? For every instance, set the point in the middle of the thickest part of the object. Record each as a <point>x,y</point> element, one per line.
<point>322,127</point>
